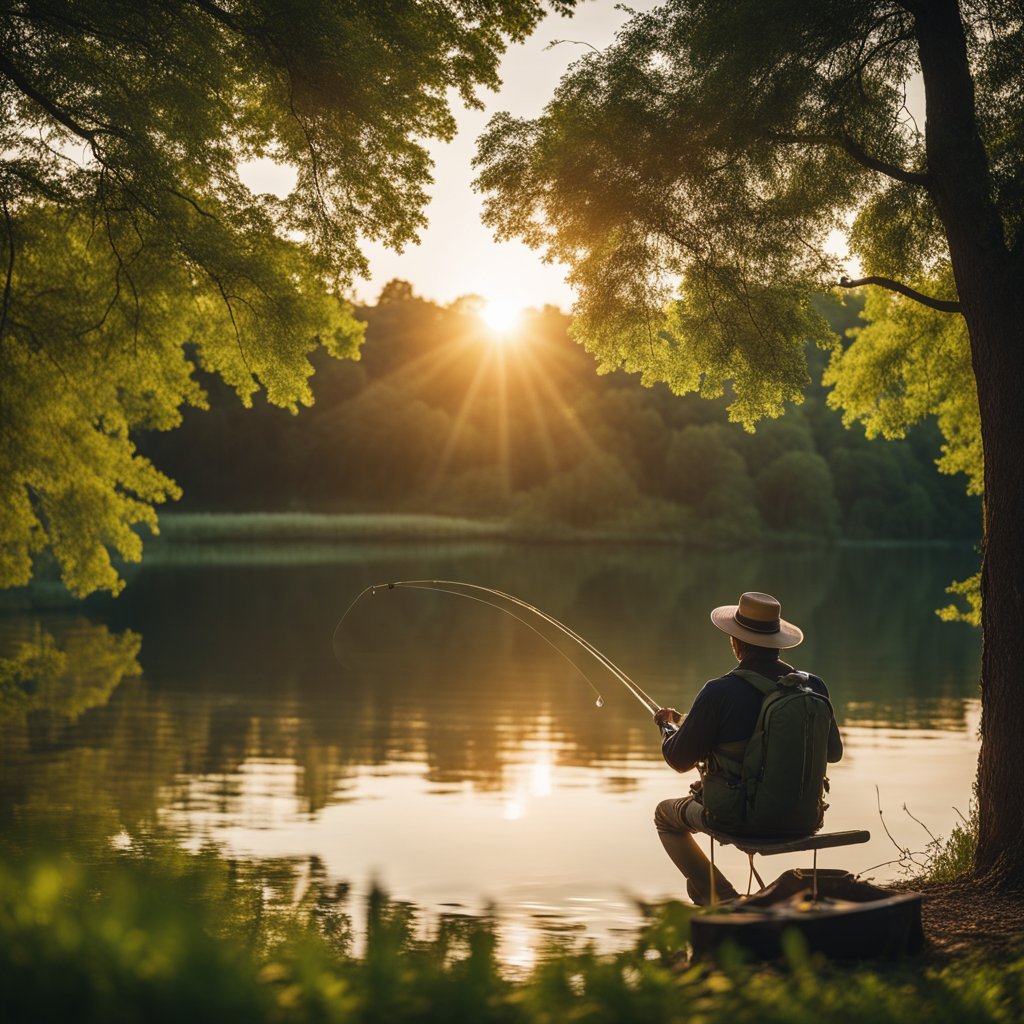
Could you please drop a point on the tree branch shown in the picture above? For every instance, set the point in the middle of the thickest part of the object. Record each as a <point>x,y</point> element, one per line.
<point>942,305</point>
<point>188,199</point>
<point>577,42</point>
<point>219,13</point>
<point>854,150</point>
<point>231,314</point>
<point>58,113</point>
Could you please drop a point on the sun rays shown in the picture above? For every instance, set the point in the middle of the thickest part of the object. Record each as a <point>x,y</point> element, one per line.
<point>518,386</point>
<point>507,392</point>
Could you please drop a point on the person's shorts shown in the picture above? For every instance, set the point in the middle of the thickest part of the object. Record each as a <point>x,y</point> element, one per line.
<point>693,813</point>
<point>682,814</point>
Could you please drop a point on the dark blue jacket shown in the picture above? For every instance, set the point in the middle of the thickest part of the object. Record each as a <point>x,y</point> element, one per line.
<point>726,710</point>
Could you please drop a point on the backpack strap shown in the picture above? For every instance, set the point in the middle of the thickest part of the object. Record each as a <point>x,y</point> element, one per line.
<point>768,688</point>
<point>770,691</point>
<point>731,761</point>
<point>785,684</point>
<point>761,683</point>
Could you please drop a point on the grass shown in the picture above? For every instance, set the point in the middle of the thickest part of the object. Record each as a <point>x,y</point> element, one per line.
<point>160,935</point>
<point>941,860</point>
<point>204,527</point>
<point>277,527</point>
<point>307,527</point>
<point>953,858</point>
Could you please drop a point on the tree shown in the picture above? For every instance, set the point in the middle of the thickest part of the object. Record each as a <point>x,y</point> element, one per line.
<point>690,176</point>
<point>132,251</point>
<point>703,470</point>
<point>795,493</point>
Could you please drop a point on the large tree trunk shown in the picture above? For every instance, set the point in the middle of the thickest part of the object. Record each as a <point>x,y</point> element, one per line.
<point>998,347</point>
<point>989,283</point>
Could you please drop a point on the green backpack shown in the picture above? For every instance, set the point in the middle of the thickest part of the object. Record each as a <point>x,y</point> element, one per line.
<point>778,787</point>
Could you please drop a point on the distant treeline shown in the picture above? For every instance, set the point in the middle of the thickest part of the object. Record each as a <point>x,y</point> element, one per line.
<point>440,416</point>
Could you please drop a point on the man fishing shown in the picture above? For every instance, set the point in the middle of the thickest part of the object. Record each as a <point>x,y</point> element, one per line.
<point>735,794</point>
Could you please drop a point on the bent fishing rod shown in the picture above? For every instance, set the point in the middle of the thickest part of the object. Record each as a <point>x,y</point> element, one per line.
<point>475,592</point>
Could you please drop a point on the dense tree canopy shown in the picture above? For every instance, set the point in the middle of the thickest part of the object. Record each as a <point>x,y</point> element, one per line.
<point>691,175</point>
<point>437,418</point>
<point>132,251</point>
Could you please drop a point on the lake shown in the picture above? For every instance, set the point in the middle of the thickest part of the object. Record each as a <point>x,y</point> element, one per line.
<point>455,758</point>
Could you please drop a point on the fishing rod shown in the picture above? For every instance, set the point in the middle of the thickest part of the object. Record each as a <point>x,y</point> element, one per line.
<point>458,589</point>
<point>490,604</point>
<point>644,699</point>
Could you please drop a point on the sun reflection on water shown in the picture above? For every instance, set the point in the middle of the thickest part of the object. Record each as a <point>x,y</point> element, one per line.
<point>540,778</point>
<point>513,809</point>
<point>532,781</point>
<point>517,945</point>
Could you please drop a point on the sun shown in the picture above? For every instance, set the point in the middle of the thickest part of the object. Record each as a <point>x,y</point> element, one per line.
<point>502,316</point>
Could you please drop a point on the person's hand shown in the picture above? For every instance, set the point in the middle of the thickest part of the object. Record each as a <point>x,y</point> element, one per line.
<point>669,715</point>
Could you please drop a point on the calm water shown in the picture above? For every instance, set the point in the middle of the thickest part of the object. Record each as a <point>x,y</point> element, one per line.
<point>456,758</point>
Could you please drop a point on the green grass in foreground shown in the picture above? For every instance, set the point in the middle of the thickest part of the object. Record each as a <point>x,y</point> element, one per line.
<point>176,937</point>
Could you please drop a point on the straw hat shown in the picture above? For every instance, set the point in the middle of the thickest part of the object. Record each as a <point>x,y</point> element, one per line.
<point>757,619</point>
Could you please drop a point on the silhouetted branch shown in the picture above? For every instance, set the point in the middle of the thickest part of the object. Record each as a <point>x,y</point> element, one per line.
<point>55,111</point>
<point>234,323</point>
<point>219,13</point>
<point>576,42</point>
<point>942,305</point>
<point>854,150</point>
<point>191,202</point>
<point>921,823</point>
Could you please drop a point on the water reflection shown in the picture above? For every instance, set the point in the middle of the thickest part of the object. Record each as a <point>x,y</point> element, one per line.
<point>60,668</point>
<point>455,757</point>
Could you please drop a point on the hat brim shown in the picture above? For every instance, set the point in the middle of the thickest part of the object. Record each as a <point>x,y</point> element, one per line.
<point>787,636</point>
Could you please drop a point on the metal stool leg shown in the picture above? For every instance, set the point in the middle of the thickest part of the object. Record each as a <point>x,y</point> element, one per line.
<point>814,878</point>
<point>753,873</point>
<point>714,894</point>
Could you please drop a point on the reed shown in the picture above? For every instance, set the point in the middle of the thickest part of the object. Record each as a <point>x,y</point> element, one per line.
<point>247,527</point>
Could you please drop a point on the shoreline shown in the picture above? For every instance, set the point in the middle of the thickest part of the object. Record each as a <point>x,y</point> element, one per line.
<point>206,528</point>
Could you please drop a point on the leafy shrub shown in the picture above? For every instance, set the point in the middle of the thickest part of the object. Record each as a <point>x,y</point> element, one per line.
<point>169,936</point>
<point>596,492</point>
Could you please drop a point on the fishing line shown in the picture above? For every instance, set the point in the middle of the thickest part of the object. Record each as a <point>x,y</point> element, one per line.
<point>445,587</point>
<point>644,699</point>
<point>415,585</point>
<point>418,585</point>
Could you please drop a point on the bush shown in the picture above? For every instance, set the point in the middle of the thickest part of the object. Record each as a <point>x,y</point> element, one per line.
<point>200,940</point>
<point>195,938</point>
<point>596,492</point>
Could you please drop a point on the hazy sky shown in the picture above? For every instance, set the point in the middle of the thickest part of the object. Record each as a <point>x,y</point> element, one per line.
<point>457,255</point>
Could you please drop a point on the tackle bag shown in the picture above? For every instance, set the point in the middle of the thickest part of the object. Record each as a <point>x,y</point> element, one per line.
<point>778,787</point>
